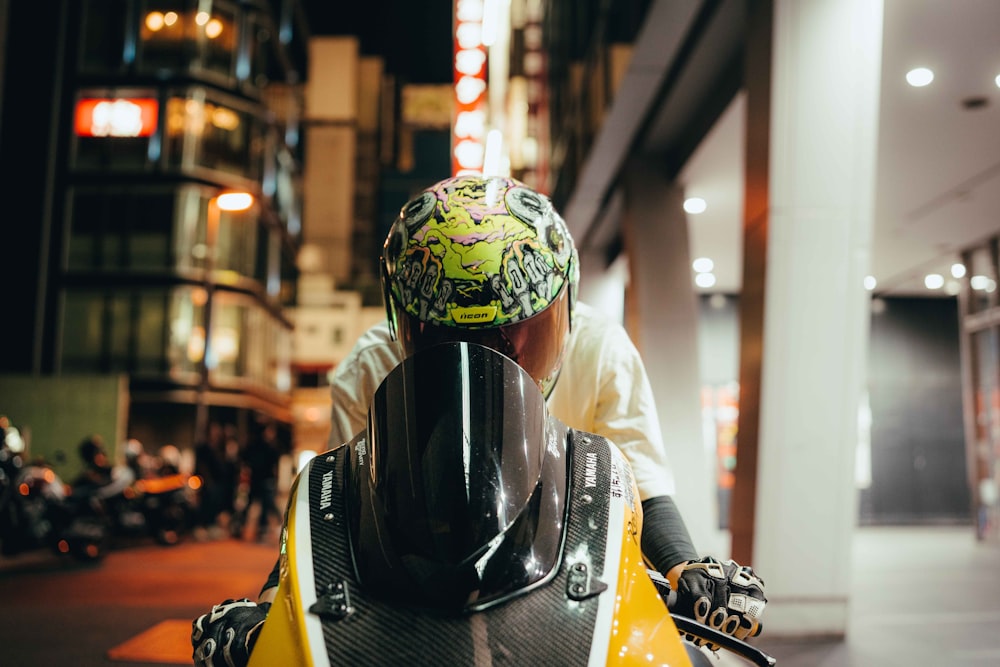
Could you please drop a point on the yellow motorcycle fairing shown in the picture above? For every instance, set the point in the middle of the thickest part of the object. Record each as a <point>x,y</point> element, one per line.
<point>632,625</point>
<point>284,638</point>
<point>642,631</point>
<point>462,482</point>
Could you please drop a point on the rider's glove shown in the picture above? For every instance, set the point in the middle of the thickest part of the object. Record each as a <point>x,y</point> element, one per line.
<point>722,595</point>
<point>225,636</point>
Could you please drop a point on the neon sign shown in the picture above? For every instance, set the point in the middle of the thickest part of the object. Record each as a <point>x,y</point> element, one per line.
<point>116,117</point>
<point>468,137</point>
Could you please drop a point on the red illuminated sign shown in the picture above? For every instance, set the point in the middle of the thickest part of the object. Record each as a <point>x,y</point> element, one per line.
<point>116,117</point>
<point>469,93</point>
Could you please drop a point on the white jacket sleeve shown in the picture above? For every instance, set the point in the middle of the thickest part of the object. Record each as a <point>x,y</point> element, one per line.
<point>603,388</point>
<point>355,380</point>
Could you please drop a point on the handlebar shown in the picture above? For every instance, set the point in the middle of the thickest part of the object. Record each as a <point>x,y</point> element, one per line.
<point>708,634</point>
<point>728,642</point>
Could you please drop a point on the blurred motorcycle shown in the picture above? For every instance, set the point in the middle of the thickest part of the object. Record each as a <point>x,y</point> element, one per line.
<point>466,525</point>
<point>146,501</point>
<point>37,511</point>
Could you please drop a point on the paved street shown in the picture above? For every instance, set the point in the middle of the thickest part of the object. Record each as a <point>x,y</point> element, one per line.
<point>920,597</point>
<point>56,612</point>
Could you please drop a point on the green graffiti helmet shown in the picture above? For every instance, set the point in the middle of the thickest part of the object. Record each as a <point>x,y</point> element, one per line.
<point>487,261</point>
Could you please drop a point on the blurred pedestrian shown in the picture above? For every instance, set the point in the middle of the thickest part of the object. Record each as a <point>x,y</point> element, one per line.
<point>209,465</point>
<point>262,456</point>
<point>232,466</point>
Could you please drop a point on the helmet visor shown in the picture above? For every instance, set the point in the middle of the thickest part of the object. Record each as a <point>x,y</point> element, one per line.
<point>536,344</point>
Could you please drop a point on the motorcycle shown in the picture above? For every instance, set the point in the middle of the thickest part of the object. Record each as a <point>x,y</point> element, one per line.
<point>154,505</point>
<point>37,511</point>
<point>467,526</point>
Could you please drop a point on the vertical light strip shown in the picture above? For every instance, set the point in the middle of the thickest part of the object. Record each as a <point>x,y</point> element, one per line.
<point>491,161</point>
<point>469,91</point>
<point>466,414</point>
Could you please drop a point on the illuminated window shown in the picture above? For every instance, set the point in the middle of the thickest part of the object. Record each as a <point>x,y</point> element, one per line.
<point>229,327</point>
<point>174,35</point>
<point>238,242</point>
<point>204,134</point>
<point>112,129</point>
<point>186,342</point>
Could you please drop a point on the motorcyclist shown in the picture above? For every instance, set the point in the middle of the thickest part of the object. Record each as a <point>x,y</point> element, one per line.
<point>489,261</point>
<point>100,480</point>
<point>97,469</point>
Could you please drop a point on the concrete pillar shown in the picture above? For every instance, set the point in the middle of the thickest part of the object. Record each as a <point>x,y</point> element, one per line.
<point>662,318</point>
<point>816,208</point>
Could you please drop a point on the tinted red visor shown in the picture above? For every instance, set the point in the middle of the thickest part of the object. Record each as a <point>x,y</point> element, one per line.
<point>536,344</point>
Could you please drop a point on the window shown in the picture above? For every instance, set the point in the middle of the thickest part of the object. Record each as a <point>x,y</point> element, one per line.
<point>158,331</point>
<point>207,134</point>
<point>113,129</point>
<point>121,229</point>
<point>264,63</point>
<point>116,331</point>
<point>151,331</point>
<point>181,36</point>
<point>186,341</point>
<point>102,42</point>
<point>83,331</point>
<point>119,313</point>
<point>229,326</point>
<point>150,227</point>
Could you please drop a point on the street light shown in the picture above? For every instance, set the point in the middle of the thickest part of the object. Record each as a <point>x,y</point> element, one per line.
<point>231,202</point>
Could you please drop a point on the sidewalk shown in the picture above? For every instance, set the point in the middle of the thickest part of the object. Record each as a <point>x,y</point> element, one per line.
<point>920,597</point>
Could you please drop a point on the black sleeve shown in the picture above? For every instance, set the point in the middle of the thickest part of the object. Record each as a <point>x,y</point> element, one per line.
<point>665,540</point>
<point>272,579</point>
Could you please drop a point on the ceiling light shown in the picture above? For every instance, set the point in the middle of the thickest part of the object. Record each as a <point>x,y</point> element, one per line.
<point>997,80</point>
<point>983,283</point>
<point>695,205</point>
<point>958,270</point>
<point>953,287</point>
<point>919,77</point>
<point>870,283</point>
<point>703,265</point>
<point>933,281</point>
<point>704,280</point>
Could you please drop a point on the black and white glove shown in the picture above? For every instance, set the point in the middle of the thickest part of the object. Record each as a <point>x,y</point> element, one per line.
<point>725,596</point>
<point>224,637</point>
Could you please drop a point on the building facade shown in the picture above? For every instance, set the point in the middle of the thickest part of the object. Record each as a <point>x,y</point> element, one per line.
<point>131,265</point>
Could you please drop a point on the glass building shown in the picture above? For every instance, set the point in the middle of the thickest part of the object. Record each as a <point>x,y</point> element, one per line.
<point>159,107</point>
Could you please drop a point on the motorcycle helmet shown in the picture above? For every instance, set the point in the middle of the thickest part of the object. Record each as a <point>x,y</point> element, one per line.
<point>486,261</point>
<point>91,451</point>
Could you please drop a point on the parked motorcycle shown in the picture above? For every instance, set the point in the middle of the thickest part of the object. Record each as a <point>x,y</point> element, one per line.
<point>37,511</point>
<point>467,526</point>
<point>143,501</point>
